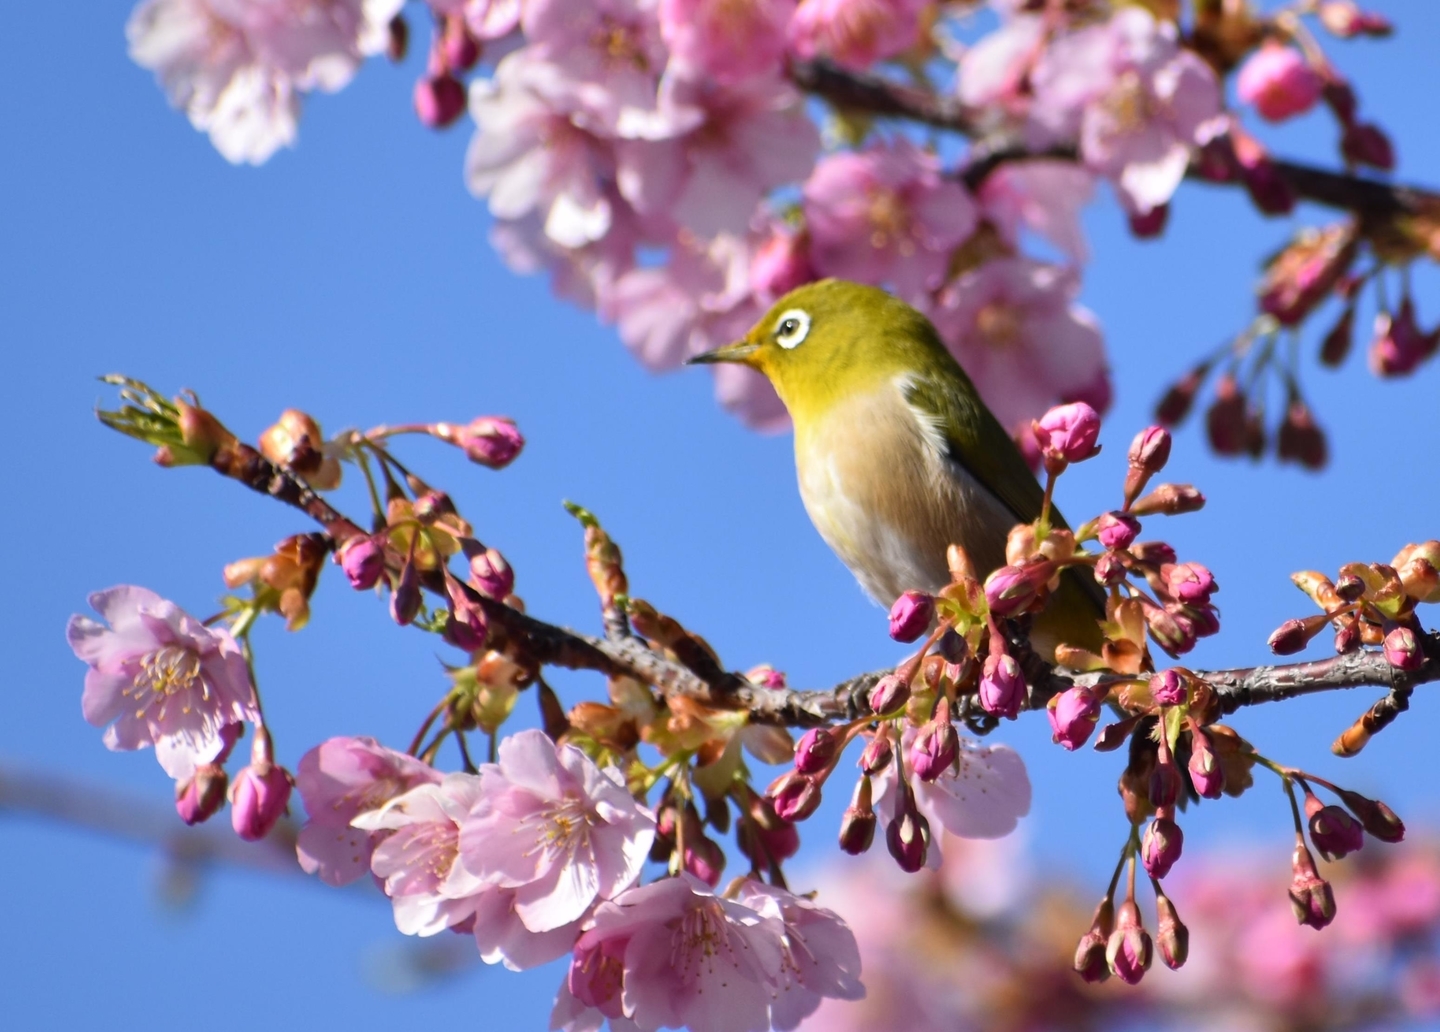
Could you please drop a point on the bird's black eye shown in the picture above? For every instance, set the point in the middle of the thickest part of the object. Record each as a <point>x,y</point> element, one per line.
<point>791,328</point>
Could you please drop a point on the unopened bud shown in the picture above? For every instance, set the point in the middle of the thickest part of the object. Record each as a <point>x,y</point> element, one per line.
<point>1300,439</point>
<point>1333,831</point>
<point>1365,144</point>
<point>911,615</point>
<point>1374,816</point>
<point>1129,951</point>
<point>397,39</point>
<point>907,836</point>
<point>1117,529</point>
<point>363,559</point>
<point>1175,405</point>
<point>1270,191</point>
<point>1010,590</point>
<point>1109,569</point>
<point>1171,935</point>
<point>1090,961</point>
<point>890,693</point>
<point>1002,686</point>
<point>1067,433</point>
<point>491,574</point>
<point>877,754</point>
<point>1206,774</point>
<point>1073,715</point>
<point>406,599</point>
<point>936,747</point>
<point>1336,346</point>
<point>200,796</point>
<point>1311,897</point>
<point>258,799</point>
<point>794,796</point>
<point>1402,650</point>
<point>857,825</point>
<point>492,441</point>
<point>817,749</point>
<point>459,49</point>
<point>439,100</point>
<point>1169,687</point>
<point>1161,846</point>
<point>1165,783</point>
<point>1170,500</point>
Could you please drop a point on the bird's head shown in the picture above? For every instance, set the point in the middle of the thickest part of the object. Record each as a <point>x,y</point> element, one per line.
<point>829,340</point>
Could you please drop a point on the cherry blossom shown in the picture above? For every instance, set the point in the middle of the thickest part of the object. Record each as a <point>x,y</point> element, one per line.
<point>885,214</point>
<point>993,73</point>
<point>671,954</point>
<point>1138,101</point>
<point>1014,328</point>
<point>1043,196</point>
<point>983,796</point>
<point>552,826</point>
<point>725,40</point>
<point>753,138</point>
<point>1278,82</point>
<point>237,68</point>
<point>160,677</point>
<point>417,861</point>
<point>339,780</point>
<point>527,156</point>
<point>855,33</point>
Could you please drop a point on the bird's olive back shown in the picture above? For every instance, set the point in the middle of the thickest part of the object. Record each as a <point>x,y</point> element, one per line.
<point>828,340</point>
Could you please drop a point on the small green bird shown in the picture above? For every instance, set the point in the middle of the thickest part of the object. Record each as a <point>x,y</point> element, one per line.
<point>897,455</point>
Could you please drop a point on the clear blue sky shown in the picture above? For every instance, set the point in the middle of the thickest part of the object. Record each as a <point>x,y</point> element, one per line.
<point>352,277</point>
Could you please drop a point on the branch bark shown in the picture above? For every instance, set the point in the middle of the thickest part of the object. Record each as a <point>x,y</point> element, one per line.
<point>548,644</point>
<point>874,95</point>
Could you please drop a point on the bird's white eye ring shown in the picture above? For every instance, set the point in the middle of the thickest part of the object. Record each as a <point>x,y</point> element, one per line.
<point>792,327</point>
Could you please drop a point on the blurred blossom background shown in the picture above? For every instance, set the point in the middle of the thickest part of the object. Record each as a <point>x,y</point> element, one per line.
<point>352,277</point>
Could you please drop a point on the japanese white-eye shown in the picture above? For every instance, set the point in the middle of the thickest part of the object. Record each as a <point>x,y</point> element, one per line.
<point>897,454</point>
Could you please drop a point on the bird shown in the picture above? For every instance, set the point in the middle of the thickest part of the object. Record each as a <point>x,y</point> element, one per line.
<point>896,454</point>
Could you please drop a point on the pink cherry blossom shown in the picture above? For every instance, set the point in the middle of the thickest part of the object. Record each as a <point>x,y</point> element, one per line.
<point>983,796</point>
<point>994,72</point>
<point>527,156</point>
<point>238,67</point>
<point>579,274</point>
<point>686,959</point>
<point>550,825</point>
<point>338,780</point>
<point>855,33</point>
<point>886,215</point>
<point>725,40</point>
<point>753,137</point>
<point>1139,102</point>
<point>492,19</point>
<point>160,677</point>
<point>1043,196</point>
<point>1278,82</point>
<point>607,56</point>
<point>417,862</point>
<point>1014,328</point>
<point>820,958</point>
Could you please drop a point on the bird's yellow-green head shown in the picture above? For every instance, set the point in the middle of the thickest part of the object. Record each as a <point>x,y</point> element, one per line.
<point>833,339</point>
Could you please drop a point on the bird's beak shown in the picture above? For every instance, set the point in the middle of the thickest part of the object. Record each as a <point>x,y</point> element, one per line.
<point>742,351</point>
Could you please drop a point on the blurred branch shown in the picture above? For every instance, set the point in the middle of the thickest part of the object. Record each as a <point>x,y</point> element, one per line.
<point>30,793</point>
<point>876,96</point>
<point>547,644</point>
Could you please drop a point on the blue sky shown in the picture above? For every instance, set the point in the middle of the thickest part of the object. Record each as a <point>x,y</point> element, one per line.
<point>352,277</point>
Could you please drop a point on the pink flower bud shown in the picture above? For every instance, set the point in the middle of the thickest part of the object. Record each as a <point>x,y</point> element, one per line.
<point>910,616</point>
<point>406,599</point>
<point>877,754</point>
<point>491,441</point>
<point>936,747</point>
<point>1365,144</point>
<point>1067,433</point>
<point>1169,633</point>
<point>1196,621</point>
<point>467,626</point>
<point>1206,774</point>
<point>703,857</point>
<point>491,574</point>
<point>1169,500</point>
<point>817,750</point>
<point>1335,833</point>
<point>1155,553</point>
<point>1002,686</point>
<point>1117,529</point>
<point>439,100</point>
<point>1400,345</point>
<point>1161,846</point>
<point>1278,82</point>
<point>459,50</point>
<point>1073,715</point>
<point>1151,449</point>
<point>794,796</point>
<point>857,826</point>
<point>1310,895</point>
<point>1010,590</point>
<point>363,560</point>
<point>1109,569</point>
<point>890,693</point>
<point>1402,650</point>
<point>1270,191</point>
<point>781,264</point>
<point>200,796</point>
<point>1169,687</point>
<point>1129,951</point>
<point>1171,935</point>
<point>258,799</point>
<point>1375,817</point>
<point>1090,961</point>
<point>907,836</point>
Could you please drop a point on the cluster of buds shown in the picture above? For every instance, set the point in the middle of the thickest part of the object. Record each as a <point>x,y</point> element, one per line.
<point>1117,942</point>
<point>454,51</point>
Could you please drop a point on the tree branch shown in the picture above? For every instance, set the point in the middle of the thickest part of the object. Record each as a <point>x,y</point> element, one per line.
<point>547,644</point>
<point>874,95</point>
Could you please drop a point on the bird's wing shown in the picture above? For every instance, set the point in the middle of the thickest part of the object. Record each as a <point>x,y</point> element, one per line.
<point>994,459</point>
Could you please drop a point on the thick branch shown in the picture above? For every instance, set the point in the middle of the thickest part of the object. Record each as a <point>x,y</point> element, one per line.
<point>876,96</point>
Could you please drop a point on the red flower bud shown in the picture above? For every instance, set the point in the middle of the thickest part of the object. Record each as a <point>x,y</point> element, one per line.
<point>877,754</point>
<point>491,574</point>
<point>1171,935</point>
<point>200,796</point>
<point>1206,774</point>
<point>1375,817</point>
<point>1090,961</point>
<point>1002,686</point>
<point>405,601</point>
<point>817,749</point>
<point>363,560</point>
<point>1365,144</point>
<point>1067,433</point>
<point>936,747</point>
<point>857,826</point>
<point>1336,346</point>
<point>1161,846</point>
<point>794,796</point>
<point>1333,831</point>
<point>1129,951</point>
<point>1165,783</point>
<point>1310,895</point>
<point>439,100</point>
<point>1010,590</point>
<point>1117,529</point>
<point>907,836</point>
